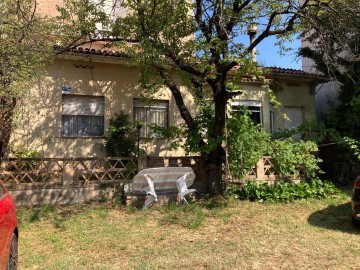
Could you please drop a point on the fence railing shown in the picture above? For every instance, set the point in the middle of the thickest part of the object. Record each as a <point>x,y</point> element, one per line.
<point>61,180</point>
<point>152,162</point>
<point>30,171</point>
<point>61,171</point>
<point>262,171</point>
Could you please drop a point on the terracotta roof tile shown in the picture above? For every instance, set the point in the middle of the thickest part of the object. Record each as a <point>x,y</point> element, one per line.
<point>95,51</point>
<point>101,49</point>
<point>290,71</point>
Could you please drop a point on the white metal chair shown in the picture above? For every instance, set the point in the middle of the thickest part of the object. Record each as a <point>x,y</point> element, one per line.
<point>151,197</point>
<point>183,189</point>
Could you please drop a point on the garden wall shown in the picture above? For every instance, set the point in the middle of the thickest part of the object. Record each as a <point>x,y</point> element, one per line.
<point>67,181</point>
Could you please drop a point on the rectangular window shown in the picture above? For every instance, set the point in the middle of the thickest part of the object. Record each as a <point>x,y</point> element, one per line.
<point>82,116</point>
<point>254,107</point>
<point>155,113</point>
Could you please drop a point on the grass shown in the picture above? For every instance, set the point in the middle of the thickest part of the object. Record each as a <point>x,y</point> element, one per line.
<point>218,234</point>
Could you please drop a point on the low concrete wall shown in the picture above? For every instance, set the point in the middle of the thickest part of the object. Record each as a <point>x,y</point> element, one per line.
<point>29,195</point>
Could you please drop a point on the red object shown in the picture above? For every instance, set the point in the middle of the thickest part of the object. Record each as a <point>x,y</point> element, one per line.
<point>8,230</point>
<point>357,183</point>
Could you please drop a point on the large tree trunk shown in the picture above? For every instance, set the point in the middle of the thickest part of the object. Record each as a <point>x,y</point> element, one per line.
<point>214,168</point>
<point>209,172</point>
<point>7,106</point>
<point>216,158</point>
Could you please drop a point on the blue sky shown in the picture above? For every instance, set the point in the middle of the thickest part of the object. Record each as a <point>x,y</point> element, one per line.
<point>268,54</point>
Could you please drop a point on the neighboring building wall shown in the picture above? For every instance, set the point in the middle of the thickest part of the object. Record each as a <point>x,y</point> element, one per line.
<point>326,93</point>
<point>49,7</point>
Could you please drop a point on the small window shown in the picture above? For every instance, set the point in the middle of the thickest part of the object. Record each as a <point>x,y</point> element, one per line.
<point>82,116</point>
<point>254,107</point>
<point>155,113</point>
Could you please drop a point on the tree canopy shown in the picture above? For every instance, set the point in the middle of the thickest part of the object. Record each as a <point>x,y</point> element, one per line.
<point>25,48</point>
<point>335,51</point>
<point>196,44</point>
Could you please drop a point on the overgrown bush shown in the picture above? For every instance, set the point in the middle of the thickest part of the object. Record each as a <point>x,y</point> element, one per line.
<point>248,142</point>
<point>294,158</point>
<point>121,138</point>
<point>22,152</point>
<point>284,191</point>
<point>341,164</point>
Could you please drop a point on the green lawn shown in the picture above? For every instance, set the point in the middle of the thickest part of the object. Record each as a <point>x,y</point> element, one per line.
<point>313,234</point>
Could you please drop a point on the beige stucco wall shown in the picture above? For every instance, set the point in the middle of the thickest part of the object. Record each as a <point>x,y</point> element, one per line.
<point>290,92</point>
<point>295,93</point>
<point>38,125</point>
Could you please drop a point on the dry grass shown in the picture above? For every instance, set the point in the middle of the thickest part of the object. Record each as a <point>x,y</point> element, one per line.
<point>218,235</point>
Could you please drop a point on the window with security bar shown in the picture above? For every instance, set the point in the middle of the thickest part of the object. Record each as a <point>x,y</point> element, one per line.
<point>155,113</point>
<point>82,116</point>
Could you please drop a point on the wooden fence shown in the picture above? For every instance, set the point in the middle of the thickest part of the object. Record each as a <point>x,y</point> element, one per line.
<point>57,180</point>
<point>60,180</point>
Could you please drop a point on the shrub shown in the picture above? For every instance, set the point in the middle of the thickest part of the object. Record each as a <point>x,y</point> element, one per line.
<point>248,142</point>
<point>121,138</point>
<point>294,158</point>
<point>284,191</point>
<point>23,152</point>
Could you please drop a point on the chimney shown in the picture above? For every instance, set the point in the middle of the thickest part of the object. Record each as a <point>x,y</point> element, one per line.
<point>252,31</point>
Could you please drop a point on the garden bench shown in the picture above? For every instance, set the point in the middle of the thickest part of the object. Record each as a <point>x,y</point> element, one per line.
<point>162,181</point>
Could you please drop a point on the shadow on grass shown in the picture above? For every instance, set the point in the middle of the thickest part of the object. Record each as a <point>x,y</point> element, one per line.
<point>57,214</point>
<point>334,217</point>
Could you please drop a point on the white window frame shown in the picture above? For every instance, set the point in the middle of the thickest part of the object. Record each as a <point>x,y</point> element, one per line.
<point>250,103</point>
<point>272,119</point>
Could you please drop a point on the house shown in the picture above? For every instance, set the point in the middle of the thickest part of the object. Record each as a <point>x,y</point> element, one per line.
<point>66,113</point>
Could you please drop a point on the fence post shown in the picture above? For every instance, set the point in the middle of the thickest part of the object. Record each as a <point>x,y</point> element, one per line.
<point>68,173</point>
<point>260,170</point>
<point>142,163</point>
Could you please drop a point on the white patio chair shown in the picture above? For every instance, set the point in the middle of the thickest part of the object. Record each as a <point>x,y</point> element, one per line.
<point>151,197</point>
<point>183,189</point>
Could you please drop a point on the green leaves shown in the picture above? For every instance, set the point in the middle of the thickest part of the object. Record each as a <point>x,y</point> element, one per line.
<point>285,191</point>
<point>121,138</point>
<point>294,158</point>
<point>24,46</point>
<point>247,143</point>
